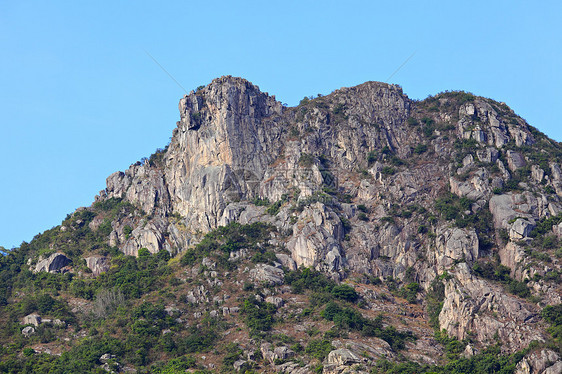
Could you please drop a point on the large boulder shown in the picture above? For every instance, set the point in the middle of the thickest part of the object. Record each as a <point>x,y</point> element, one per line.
<point>342,356</point>
<point>267,274</point>
<point>541,362</point>
<point>32,319</point>
<point>53,264</point>
<point>474,305</point>
<point>97,264</point>
<point>28,331</point>
<point>520,229</point>
<point>455,244</point>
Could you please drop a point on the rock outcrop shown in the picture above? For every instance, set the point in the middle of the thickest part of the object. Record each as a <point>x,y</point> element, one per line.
<point>53,264</point>
<point>97,264</point>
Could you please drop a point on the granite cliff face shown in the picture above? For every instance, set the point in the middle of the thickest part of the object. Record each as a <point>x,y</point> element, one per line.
<point>367,183</point>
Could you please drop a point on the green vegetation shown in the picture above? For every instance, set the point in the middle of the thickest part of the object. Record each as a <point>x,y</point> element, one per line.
<point>420,148</point>
<point>553,315</point>
<point>345,292</point>
<point>410,292</point>
<point>497,272</point>
<point>346,318</point>
<point>435,297</point>
<point>489,361</point>
<point>259,316</point>
<point>306,160</point>
<point>387,170</point>
<point>319,348</point>
<point>544,225</point>
<point>218,244</point>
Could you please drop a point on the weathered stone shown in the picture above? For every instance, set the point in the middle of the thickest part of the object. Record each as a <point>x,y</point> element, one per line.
<point>277,301</point>
<point>520,229</point>
<point>53,264</point>
<point>234,143</point>
<point>28,331</point>
<point>489,155</point>
<point>316,238</point>
<point>267,274</point>
<point>286,261</point>
<point>97,264</point>
<point>466,300</point>
<point>33,319</point>
<point>537,173</point>
<point>454,244</point>
<point>542,362</point>
<point>283,353</point>
<point>343,357</point>
<point>515,160</point>
<point>240,364</point>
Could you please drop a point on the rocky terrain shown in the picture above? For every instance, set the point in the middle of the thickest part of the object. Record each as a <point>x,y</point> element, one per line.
<point>357,232</point>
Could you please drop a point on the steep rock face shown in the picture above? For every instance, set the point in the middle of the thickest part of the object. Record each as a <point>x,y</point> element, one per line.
<point>472,306</point>
<point>220,149</point>
<point>316,239</point>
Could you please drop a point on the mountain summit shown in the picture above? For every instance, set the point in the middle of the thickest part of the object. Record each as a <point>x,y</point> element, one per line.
<point>440,217</point>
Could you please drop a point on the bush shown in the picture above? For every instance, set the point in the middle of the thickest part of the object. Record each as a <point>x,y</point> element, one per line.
<point>319,348</point>
<point>420,148</point>
<point>345,292</point>
<point>259,316</point>
<point>348,318</point>
<point>501,273</point>
<point>435,297</point>
<point>144,252</point>
<point>410,292</point>
<point>387,170</point>
<point>306,160</point>
<point>189,257</point>
<point>308,279</point>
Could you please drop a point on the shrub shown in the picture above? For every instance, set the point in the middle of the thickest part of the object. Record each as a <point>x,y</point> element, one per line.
<point>144,252</point>
<point>363,208</point>
<point>319,348</point>
<point>435,297</point>
<point>306,160</point>
<point>127,230</point>
<point>410,292</point>
<point>412,121</point>
<point>345,292</point>
<point>420,148</point>
<point>274,208</point>
<point>348,318</point>
<point>338,109</point>
<point>189,257</point>
<point>308,279</point>
<point>259,316</point>
<point>500,273</point>
<point>387,170</point>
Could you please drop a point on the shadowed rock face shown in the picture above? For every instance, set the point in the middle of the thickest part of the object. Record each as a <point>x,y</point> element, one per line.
<point>54,263</point>
<point>356,174</point>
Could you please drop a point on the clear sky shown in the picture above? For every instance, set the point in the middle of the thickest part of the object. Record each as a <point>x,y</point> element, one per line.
<point>80,98</point>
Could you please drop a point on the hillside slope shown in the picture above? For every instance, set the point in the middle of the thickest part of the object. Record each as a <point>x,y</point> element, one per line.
<point>357,231</point>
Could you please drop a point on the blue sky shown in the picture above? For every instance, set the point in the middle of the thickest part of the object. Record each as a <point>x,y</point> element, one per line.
<point>80,99</point>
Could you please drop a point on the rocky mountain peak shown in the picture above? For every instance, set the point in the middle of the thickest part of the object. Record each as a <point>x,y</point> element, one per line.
<point>453,203</point>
